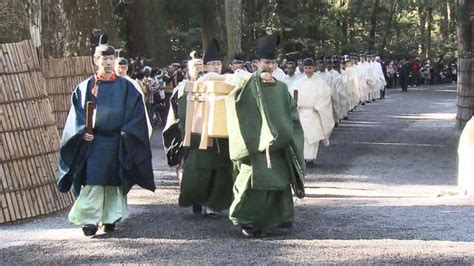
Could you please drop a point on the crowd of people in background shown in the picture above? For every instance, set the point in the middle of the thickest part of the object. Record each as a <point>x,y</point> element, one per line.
<point>157,83</point>
<point>426,72</point>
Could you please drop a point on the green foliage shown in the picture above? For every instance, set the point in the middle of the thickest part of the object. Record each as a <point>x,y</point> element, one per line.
<point>14,23</point>
<point>312,27</point>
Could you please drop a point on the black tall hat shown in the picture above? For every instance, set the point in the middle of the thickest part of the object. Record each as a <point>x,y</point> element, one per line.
<point>212,52</point>
<point>266,46</point>
<point>104,48</point>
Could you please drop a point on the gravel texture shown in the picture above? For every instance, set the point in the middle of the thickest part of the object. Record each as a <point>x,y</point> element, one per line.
<point>381,193</point>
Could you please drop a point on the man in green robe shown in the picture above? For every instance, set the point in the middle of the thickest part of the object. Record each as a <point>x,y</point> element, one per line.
<point>266,145</point>
<point>206,184</point>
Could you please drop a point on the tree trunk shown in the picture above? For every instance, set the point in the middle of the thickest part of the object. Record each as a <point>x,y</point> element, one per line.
<point>428,32</point>
<point>373,25</point>
<point>344,24</point>
<point>67,26</point>
<point>465,86</point>
<point>210,23</point>
<point>393,8</point>
<point>34,13</point>
<point>452,15</point>
<point>233,11</point>
<point>421,30</point>
<point>444,24</point>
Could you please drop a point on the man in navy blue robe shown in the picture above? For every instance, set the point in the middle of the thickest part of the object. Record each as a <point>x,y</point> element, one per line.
<point>102,167</point>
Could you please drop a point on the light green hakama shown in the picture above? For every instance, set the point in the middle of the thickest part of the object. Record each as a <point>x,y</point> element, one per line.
<point>99,204</point>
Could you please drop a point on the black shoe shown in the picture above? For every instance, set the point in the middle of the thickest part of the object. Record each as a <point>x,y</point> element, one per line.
<point>211,215</point>
<point>89,229</point>
<point>250,232</point>
<point>346,118</point>
<point>197,208</point>
<point>108,228</point>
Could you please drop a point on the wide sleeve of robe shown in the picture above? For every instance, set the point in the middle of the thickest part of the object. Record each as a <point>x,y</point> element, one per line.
<point>135,154</point>
<point>134,148</point>
<point>265,121</point>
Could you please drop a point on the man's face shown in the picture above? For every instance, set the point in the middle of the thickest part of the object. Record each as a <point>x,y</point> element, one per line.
<point>199,68</point>
<point>105,63</point>
<point>121,70</point>
<point>214,66</point>
<point>237,66</point>
<point>266,65</point>
<point>147,72</point>
<point>322,67</point>
<point>275,65</point>
<point>300,65</point>
<point>291,69</point>
<point>362,59</point>
<point>255,64</point>
<point>309,71</point>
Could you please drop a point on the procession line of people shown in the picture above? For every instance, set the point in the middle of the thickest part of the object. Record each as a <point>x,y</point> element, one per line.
<point>328,96</point>
<point>275,122</point>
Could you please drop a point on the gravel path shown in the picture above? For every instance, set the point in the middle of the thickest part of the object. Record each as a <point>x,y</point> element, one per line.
<point>378,194</point>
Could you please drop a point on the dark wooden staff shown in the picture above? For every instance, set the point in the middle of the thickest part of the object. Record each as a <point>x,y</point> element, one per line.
<point>90,106</point>
<point>295,96</point>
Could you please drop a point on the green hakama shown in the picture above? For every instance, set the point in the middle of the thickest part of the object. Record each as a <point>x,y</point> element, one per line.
<point>207,174</point>
<point>266,145</point>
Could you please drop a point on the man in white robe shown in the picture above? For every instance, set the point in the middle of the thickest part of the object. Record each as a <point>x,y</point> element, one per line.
<point>315,110</point>
<point>466,160</point>
<point>351,80</point>
<point>342,92</point>
<point>374,71</point>
<point>328,78</point>
<point>278,73</point>
<point>364,79</point>
<point>291,76</point>
<point>299,68</point>
<point>379,77</point>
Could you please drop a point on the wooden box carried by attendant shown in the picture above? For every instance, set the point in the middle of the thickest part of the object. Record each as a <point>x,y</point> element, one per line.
<point>205,110</point>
